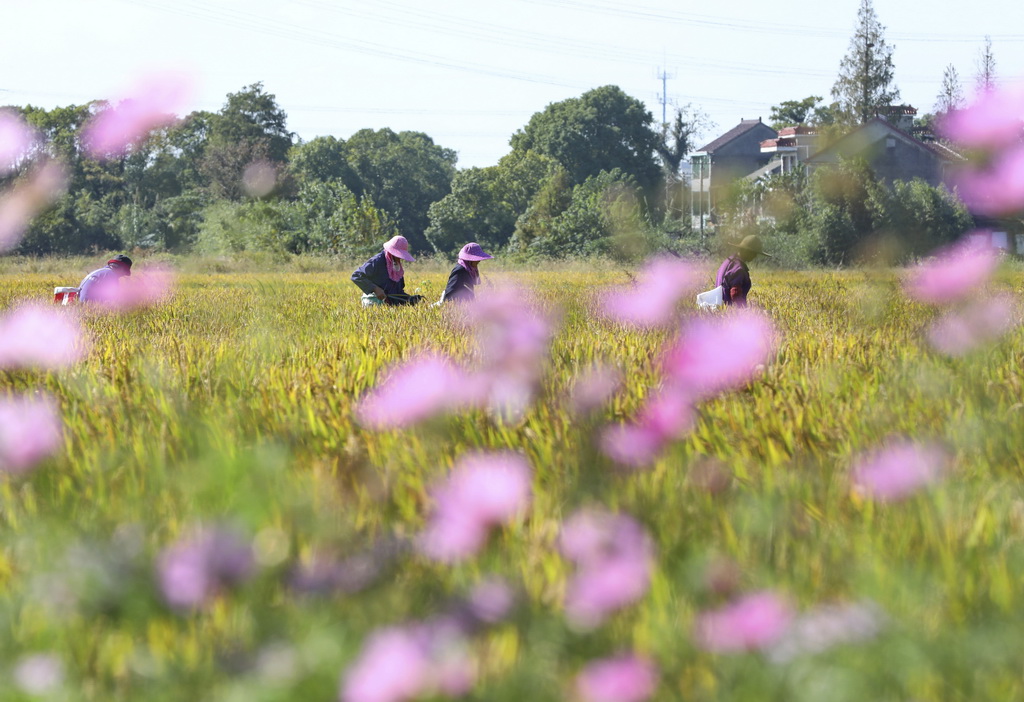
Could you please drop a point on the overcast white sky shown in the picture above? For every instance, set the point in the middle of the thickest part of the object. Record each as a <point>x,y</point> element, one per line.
<point>471,72</point>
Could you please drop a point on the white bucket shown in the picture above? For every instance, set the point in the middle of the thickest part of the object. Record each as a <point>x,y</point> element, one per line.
<point>711,298</point>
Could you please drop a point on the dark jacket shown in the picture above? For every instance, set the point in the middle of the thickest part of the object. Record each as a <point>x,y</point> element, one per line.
<point>375,272</point>
<point>460,285</point>
<point>734,277</point>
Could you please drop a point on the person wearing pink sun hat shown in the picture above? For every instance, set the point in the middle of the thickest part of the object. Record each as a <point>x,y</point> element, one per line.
<point>465,276</point>
<point>382,278</point>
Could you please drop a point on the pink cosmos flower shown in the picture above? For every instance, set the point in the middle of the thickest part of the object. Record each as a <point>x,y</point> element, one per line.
<point>993,120</point>
<point>997,189</point>
<point>491,601</point>
<point>27,199</point>
<point>754,622</point>
<point>39,674</point>
<point>393,666</point>
<point>663,419</point>
<point>16,138</point>
<point>483,491</point>
<point>714,355</point>
<point>513,335</point>
<point>195,569</point>
<point>421,388</point>
<point>826,627</point>
<point>614,558</point>
<point>652,301</point>
<point>955,272</point>
<point>899,470</point>
<point>152,105</point>
<point>594,387</point>
<point>622,679</point>
<point>143,289</point>
<point>982,322</point>
<point>32,336</point>
<point>30,430</point>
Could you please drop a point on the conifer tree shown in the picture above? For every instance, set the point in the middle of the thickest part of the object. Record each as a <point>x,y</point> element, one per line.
<point>865,83</point>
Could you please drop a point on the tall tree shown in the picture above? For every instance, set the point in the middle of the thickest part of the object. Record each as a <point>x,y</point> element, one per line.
<point>793,112</point>
<point>985,81</point>
<point>865,83</point>
<point>951,94</point>
<point>601,130</point>
<point>677,139</point>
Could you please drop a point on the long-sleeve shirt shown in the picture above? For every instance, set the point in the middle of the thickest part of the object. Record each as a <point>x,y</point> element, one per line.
<point>375,272</point>
<point>460,285</point>
<point>734,277</point>
<point>99,286</point>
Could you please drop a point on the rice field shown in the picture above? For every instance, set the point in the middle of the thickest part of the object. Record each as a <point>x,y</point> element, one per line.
<point>232,409</point>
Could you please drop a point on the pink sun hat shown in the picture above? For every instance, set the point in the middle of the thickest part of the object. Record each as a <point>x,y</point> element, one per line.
<point>398,247</point>
<point>473,252</point>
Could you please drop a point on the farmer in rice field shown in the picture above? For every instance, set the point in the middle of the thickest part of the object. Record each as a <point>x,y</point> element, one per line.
<point>382,278</point>
<point>733,274</point>
<point>465,276</point>
<point>102,285</point>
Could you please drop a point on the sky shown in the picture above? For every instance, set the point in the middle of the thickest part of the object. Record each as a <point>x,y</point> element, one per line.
<point>469,73</point>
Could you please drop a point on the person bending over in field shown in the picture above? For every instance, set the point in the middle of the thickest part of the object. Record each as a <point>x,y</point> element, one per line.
<point>733,274</point>
<point>102,285</point>
<point>465,276</point>
<point>382,278</point>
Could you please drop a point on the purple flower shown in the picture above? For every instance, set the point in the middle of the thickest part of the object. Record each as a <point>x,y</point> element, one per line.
<point>32,336</point>
<point>421,388</point>
<point>899,470</point>
<point>30,431</point>
<point>614,558</point>
<point>957,333</point>
<point>594,387</point>
<point>491,601</point>
<point>16,138</point>
<point>393,666</point>
<point>144,289</point>
<point>653,300</point>
<point>483,491</point>
<point>754,622</point>
<point>992,121</point>
<point>997,189</point>
<point>195,569</point>
<point>154,101</point>
<point>28,198</point>
<point>665,418</point>
<point>954,273</point>
<point>714,355</point>
<point>623,679</point>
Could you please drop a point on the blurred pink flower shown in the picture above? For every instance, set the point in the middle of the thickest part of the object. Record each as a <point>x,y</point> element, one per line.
<point>484,490</point>
<point>991,121</point>
<point>899,470</point>
<point>393,666</point>
<point>416,390</point>
<point>513,335</point>
<point>30,430</point>
<point>997,189</point>
<point>16,138</point>
<point>491,600</point>
<point>954,272</point>
<point>152,105</point>
<point>143,289</point>
<point>826,627</point>
<point>27,199</point>
<point>622,679</point>
<point>653,299</point>
<point>980,323</point>
<point>39,674</point>
<point>594,387</point>
<point>259,178</point>
<point>195,569</point>
<point>754,622</point>
<point>714,355</point>
<point>614,558</point>
<point>32,336</point>
<point>663,419</point>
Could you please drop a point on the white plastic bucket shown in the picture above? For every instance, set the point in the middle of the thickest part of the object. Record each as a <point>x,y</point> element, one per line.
<point>711,298</point>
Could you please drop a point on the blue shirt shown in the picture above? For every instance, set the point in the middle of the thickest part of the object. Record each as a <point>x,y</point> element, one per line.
<point>99,286</point>
<point>375,272</point>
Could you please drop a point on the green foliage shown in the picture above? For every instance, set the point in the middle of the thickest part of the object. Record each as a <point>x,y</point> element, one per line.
<point>602,130</point>
<point>338,222</point>
<point>256,225</point>
<point>790,113</point>
<point>866,74</point>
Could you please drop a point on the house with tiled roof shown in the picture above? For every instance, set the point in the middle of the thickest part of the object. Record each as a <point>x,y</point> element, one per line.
<point>720,163</point>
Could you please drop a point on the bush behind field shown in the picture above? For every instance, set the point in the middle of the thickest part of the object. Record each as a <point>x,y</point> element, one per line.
<point>233,403</point>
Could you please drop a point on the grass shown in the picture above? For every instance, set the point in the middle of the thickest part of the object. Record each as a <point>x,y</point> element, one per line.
<point>233,404</point>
